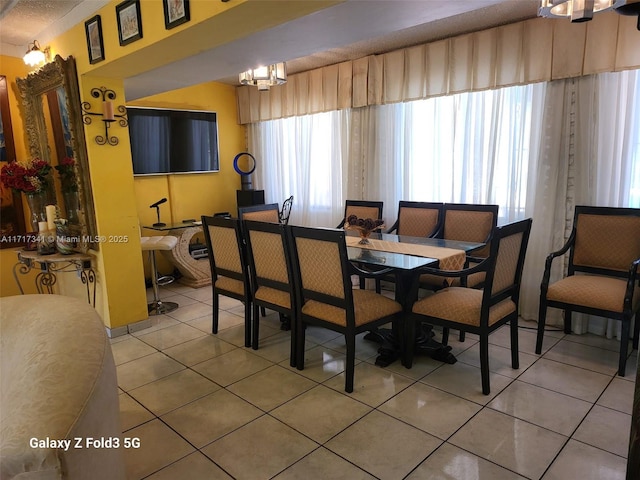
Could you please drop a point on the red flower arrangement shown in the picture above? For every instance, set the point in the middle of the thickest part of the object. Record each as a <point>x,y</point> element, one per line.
<point>30,178</point>
<point>67,174</point>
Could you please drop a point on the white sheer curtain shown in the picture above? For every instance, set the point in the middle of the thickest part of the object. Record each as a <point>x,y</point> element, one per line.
<point>304,157</point>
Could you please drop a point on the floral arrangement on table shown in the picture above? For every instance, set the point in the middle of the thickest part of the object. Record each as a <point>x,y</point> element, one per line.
<point>364,226</point>
<point>67,173</point>
<point>29,178</point>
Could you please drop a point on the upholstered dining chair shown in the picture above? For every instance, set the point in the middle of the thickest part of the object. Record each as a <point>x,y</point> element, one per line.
<point>229,272</point>
<point>361,209</point>
<point>325,296</point>
<point>417,219</point>
<point>467,223</point>
<point>269,212</point>
<point>602,275</point>
<point>480,311</point>
<point>270,272</point>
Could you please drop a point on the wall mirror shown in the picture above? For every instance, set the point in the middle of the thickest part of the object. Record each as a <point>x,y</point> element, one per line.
<point>54,129</point>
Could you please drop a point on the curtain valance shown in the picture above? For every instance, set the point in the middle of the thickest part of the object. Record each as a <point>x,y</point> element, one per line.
<point>530,51</point>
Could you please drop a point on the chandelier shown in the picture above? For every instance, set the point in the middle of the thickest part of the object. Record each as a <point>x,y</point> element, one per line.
<point>265,77</point>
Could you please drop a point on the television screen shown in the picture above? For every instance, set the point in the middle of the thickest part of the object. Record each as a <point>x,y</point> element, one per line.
<point>173,141</point>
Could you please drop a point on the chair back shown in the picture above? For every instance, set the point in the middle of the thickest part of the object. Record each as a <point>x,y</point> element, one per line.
<point>469,223</point>
<point>418,219</point>
<point>268,256</point>
<point>286,210</point>
<point>320,269</point>
<point>361,209</point>
<point>269,212</point>
<point>225,245</point>
<point>504,274</point>
<point>606,240</point>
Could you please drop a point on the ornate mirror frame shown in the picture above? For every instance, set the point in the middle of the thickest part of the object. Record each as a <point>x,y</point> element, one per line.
<point>33,90</point>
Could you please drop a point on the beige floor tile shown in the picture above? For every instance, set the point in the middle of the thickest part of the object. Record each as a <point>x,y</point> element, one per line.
<point>235,335</point>
<point>606,429</point>
<point>209,418</point>
<point>157,322</point>
<point>320,413</point>
<point>551,410</point>
<point>371,384</point>
<point>562,378</point>
<point>120,338</point>
<point>584,356</point>
<point>270,448</point>
<point>578,460</point>
<point>275,347</point>
<point>526,340</point>
<point>271,387</point>
<point>198,350</point>
<point>618,396</point>
<point>434,411</point>
<point>175,287</point>
<point>132,413</point>
<point>170,336</point>
<point>237,310</point>
<point>499,360</point>
<point>393,448</point>
<point>190,312</point>
<point>130,349</point>
<point>320,336</point>
<point>365,349</point>
<point>511,443</point>
<point>181,300</point>
<point>598,341</point>
<point>173,391</point>
<point>323,464</point>
<point>232,367</point>
<point>631,367</point>
<point>200,294</point>
<point>145,370</point>
<point>228,303</point>
<point>450,462</point>
<point>204,324</point>
<point>195,466</point>
<point>159,447</point>
<point>465,381</point>
<point>320,363</point>
<point>422,365</point>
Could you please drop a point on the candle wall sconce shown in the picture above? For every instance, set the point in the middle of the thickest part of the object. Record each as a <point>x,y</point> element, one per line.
<point>108,115</point>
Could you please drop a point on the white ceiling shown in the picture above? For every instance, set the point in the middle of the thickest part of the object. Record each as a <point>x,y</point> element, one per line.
<point>348,30</point>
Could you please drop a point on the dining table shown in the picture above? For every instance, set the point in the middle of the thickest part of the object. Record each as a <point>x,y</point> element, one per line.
<point>403,256</point>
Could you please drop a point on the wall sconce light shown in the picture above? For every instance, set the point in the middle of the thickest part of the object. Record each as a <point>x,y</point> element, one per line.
<point>265,77</point>
<point>108,115</point>
<point>35,55</point>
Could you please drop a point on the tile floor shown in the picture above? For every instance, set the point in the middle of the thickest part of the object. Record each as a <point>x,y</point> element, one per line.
<point>206,407</point>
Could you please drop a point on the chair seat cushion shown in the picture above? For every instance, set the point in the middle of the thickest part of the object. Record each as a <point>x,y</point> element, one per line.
<point>158,242</point>
<point>461,305</point>
<point>368,306</point>
<point>230,285</point>
<point>593,291</point>
<point>274,296</point>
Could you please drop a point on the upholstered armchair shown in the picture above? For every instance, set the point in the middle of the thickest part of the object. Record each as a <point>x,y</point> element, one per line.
<point>269,212</point>
<point>361,209</point>
<point>417,219</point>
<point>479,311</point>
<point>602,276</point>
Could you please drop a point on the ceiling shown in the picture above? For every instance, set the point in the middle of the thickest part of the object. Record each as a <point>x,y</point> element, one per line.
<point>345,31</point>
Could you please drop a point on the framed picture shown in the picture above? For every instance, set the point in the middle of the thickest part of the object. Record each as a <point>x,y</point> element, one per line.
<point>93,29</point>
<point>176,12</point>
<point>129,21</point>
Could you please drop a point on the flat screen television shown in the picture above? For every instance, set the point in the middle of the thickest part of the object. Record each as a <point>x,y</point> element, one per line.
<point>167,141</point>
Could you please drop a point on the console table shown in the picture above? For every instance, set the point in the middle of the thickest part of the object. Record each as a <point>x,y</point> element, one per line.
<point>50,265</point>
<point>195,273</point>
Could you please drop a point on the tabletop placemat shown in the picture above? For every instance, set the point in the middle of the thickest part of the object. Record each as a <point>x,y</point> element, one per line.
<point>449,258</point>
